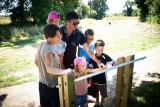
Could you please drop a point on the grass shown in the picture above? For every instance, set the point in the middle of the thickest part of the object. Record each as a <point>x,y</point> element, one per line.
<point>16,59</point>
<point>20,42</point>
<point>133,44</point>
<point>15,80</point>
<point>11,63</point>
<point>4,20</point>
<point>146,96</point>
<point>125,35</point>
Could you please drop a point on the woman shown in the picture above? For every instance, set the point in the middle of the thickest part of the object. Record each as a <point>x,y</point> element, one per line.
<point>49,70</point>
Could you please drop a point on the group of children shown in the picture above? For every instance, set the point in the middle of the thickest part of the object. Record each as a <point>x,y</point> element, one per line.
<point>83,64</point>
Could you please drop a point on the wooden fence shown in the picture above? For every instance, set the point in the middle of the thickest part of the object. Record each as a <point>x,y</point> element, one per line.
<point>123,87</point>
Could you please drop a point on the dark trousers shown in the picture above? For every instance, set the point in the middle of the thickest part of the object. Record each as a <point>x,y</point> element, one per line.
<point>49,97</point>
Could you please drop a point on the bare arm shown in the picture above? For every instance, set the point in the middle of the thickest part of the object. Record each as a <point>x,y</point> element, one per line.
<point>89,70</point>
<point>91,55</point>
<point>36,60</point>
<point>53,70</point>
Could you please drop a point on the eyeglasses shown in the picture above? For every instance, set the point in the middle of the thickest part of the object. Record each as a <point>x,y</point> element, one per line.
<point>90,39</point>
<point>75,23</point>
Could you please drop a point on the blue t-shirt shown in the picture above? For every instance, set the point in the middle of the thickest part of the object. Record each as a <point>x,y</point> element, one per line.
<point>82,52</point>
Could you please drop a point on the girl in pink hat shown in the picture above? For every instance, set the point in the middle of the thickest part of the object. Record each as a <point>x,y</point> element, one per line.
<point>53,18</point>
<point>81,87</point>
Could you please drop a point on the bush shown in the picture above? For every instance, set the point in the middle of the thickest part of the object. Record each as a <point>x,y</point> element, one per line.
<point>9,32</point>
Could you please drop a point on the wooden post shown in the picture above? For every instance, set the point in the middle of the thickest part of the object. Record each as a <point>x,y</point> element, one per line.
<point>119,84</point>
<point>67,91</point>
<point>128,72</point>
<point>61,91</point>
<point>124,83</point>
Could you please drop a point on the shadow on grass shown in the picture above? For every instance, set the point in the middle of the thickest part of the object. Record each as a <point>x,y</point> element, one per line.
<point>146,95</point>
<point>2,98</point>
<point>20,42</point>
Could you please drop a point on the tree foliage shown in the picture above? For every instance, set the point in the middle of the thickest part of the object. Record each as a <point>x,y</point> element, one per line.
<point>64,6</point>
<point>128,8</point>
<point>154,10</point>
<point>19,9</point>
<point>99,6</point>
<point>149,9</point>
<point>144,10</point>
<point>23,10</point>
<point>83,10</point>
<point>40,10</point>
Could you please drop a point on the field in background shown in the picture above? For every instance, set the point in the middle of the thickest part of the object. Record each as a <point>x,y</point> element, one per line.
<point>124,36</point>
<point>4,20</point>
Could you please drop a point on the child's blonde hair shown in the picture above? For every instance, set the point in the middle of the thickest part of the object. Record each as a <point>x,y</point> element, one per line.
<point>76,69</point>
<point>50,21</point>
<point>79,61</point>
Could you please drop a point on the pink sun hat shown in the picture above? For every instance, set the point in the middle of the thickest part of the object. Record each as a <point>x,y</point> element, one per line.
<point>80,61</point>
<point>53,15</point>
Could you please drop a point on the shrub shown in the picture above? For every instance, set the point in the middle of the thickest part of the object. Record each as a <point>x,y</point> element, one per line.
<point>9,32</point>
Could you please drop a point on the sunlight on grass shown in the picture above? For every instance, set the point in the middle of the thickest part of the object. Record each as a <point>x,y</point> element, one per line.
<point>14,60</point>
<point>12,80</point>
<point>141,99</point>
<point>4,20</point>
<point>15,80</point>
<point>14,63</point>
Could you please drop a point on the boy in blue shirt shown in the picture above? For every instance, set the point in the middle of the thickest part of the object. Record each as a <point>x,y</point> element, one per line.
<point>89,35</point>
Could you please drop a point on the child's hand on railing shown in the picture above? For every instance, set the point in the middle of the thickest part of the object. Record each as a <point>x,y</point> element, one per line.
<point>69,72</point>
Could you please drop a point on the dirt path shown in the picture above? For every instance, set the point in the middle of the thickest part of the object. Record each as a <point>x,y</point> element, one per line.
<point>26,95</point>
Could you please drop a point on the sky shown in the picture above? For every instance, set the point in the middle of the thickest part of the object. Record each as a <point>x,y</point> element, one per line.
<point>115,6</point>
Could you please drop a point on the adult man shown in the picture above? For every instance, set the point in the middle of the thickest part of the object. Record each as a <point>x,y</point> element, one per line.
<point>73,37</point>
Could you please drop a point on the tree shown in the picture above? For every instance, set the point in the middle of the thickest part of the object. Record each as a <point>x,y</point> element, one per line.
<point>144,10</point>
<point>17,8</point>
<point>154,10</point>
<point>83,10</point>
<point>22,10</point>
<point>64,6</point>
<point>40,10</point>
<point>128,5</point>
<point>100,7</point>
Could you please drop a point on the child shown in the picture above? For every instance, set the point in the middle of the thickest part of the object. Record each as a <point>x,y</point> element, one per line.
<point>89,35</point>
<point>99,81</point>
<point>53,18</point>
<point>81,86</point>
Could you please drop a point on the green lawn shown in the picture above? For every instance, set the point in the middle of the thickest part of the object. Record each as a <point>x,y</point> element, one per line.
<point>16,60</point>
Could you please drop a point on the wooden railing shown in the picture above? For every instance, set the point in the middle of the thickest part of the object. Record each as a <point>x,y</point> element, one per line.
<point>123,86</point>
